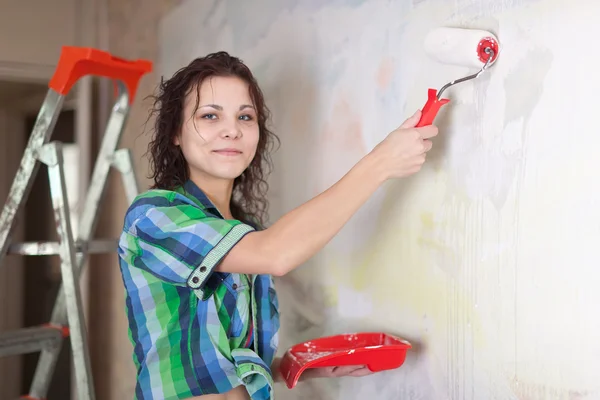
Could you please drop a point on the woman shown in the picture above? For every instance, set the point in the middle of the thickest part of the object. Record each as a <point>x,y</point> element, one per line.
<point>195,258</point>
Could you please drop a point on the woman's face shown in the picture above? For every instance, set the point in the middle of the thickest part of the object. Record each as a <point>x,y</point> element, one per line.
<point>219,140</point>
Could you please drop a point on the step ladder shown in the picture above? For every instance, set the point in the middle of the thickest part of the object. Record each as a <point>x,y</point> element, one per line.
<point>67,318</point>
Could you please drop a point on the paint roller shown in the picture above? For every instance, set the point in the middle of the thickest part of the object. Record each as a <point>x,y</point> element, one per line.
<point>457,46</point>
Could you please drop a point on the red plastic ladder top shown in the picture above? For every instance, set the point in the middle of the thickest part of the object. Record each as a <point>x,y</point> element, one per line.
<point>76,62</point>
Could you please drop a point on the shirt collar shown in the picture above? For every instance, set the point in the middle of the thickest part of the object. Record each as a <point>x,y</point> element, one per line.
<point>194,193</point>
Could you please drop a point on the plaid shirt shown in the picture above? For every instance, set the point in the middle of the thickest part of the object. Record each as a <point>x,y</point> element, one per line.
<point>194,330</point>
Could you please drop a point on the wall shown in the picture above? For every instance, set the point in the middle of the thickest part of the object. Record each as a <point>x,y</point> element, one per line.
<point>487,259</point>
<point>32,32</point>
<point>12,141</point>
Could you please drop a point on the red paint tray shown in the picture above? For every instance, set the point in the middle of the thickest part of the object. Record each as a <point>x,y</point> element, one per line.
<point>378,351</point>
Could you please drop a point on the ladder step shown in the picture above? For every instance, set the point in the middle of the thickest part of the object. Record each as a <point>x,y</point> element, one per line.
<point>30,340</point>
<point>53,248</point>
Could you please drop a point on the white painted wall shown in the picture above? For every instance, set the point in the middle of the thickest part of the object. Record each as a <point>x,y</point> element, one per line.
<point>488,259</point>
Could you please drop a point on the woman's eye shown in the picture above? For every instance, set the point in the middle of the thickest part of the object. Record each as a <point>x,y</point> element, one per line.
<point>246,117</point>
<point>209,116</point>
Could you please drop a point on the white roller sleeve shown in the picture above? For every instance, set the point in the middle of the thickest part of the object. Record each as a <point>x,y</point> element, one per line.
<point>457,46</point>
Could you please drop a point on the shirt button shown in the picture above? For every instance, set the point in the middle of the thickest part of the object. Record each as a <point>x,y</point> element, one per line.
<point>202,269</point>
<point>195,279</point>
<point>234,286</point>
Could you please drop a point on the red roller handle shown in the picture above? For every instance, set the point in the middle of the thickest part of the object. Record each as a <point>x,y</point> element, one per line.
<point>76,62</point>
<point>431,108</point>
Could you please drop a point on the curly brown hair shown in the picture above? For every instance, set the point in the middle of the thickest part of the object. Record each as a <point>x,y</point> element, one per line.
<point>168,167</point>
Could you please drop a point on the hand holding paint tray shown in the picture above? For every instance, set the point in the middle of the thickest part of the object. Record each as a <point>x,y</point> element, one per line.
<point>378,351</point>
<point>457,46</point>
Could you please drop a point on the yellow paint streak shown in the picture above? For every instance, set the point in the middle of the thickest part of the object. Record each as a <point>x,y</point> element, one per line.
<point>399,269</point>
<point>427,220</point>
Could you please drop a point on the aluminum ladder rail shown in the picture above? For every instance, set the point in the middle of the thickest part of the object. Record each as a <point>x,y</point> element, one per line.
<point>67,318</point>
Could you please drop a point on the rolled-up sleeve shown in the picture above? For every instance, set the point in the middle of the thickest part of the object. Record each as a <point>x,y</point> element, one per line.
<point>180,244</point>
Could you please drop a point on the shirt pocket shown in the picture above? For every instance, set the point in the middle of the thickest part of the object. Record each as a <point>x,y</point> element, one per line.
<point>237,304</point>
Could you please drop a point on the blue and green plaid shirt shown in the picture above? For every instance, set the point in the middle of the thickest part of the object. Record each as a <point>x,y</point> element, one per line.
<point>194,330</point>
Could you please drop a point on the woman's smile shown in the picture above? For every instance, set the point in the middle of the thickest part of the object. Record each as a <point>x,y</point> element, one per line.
<point>228,152</point>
